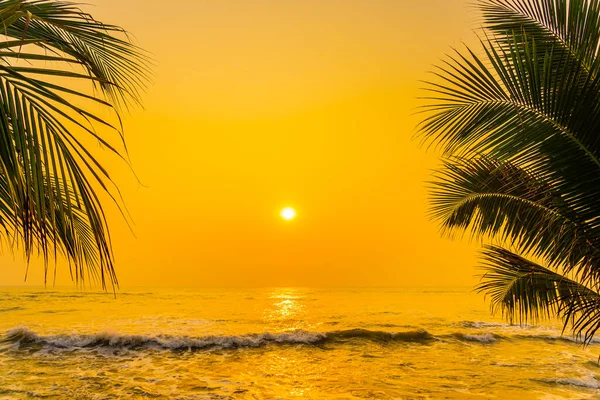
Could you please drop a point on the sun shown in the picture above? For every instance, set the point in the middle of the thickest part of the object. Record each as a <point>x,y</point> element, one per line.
<point>288,213</point>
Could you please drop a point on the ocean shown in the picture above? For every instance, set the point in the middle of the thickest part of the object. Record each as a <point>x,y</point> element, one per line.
<point>281,343</point>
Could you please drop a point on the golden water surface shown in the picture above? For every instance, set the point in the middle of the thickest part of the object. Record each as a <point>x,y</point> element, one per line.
<point>274,343</point>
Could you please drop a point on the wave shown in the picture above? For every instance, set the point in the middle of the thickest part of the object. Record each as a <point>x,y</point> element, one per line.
<point>554,338</point>
<point>481,338</point>
<point>419,335</point>
<point>11,309</point>
<point>59,311</point>
<point>584,382</point>
<point>483,324</point>
<point>23,338</point>
<point>544,335</point>
<point>489,337</point>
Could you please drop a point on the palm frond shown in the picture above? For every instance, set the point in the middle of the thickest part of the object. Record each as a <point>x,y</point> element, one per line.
<point>493,199</point>
<point>51,180</point>
<point>571,26</point>
<point>119,68</point>
<point>524,290</point>
<point>518,126</point>
<point>520,109</point>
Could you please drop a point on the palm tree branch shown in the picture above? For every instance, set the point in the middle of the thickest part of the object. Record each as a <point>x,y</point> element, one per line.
<point>524,290</point>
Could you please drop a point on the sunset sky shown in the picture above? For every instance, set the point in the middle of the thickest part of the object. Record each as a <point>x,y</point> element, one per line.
<point>261,104</point>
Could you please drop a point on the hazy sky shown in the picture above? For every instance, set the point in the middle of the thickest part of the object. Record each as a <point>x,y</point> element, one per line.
<point>261,104</point>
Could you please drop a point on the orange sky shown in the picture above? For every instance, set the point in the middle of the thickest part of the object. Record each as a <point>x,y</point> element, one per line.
<point>260,104</point>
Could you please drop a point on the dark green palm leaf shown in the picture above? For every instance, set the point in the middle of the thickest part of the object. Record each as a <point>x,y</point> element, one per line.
<point>520,109</point>
<point>571,26</point>
<point>501,200</point>
<point>524,290</point>
<point>518,124</point>
<point>50,178</point>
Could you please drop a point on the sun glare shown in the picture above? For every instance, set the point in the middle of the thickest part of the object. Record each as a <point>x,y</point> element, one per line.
<point>288,213</point>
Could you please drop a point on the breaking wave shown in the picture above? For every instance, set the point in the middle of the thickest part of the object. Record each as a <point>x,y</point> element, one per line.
<point>484,324</point>
<point>23,338</point>
<point>481,338</point>
<point>584,382</point>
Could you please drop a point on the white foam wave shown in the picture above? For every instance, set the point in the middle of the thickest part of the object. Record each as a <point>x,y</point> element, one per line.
<point>24,337</point>
<point>484,324</point>
<point>482,338</point>
<point>584,382</point>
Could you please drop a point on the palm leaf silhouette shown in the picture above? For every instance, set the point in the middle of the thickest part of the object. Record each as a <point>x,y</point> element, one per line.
<point>517,123</point>
<point>50,180</point>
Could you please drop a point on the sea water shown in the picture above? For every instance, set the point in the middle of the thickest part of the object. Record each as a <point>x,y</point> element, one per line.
<point>281,343</point>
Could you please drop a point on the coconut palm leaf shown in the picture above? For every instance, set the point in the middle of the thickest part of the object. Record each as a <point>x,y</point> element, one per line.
<point>52,181</point>
<point>493,199</point>
<point>518,109</point>
<point>524,290</point>
<point>518,125</point>
<point>61,28</point>
<point>571,26</point>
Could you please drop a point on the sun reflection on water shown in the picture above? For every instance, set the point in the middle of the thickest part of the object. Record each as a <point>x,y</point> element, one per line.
<point>286,309</point>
